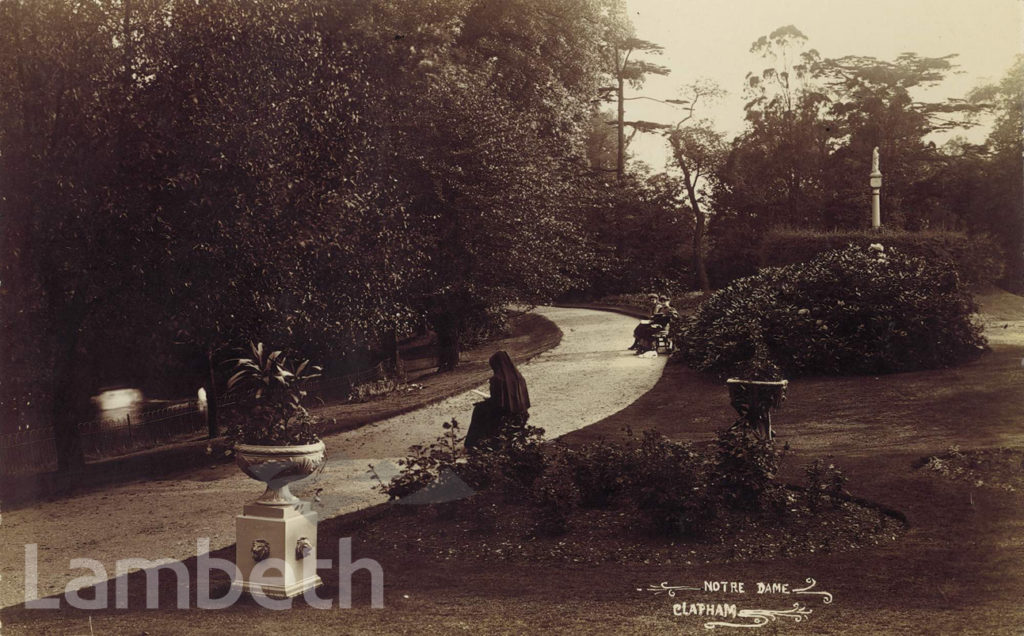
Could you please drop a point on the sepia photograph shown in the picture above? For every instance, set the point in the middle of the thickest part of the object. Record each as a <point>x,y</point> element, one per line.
<point>511,317</point>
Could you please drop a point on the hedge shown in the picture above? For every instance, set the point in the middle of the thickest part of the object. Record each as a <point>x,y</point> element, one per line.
<point>977,259</point>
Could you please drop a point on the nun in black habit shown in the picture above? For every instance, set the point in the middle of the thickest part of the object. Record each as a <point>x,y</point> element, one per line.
<point>508,405</point>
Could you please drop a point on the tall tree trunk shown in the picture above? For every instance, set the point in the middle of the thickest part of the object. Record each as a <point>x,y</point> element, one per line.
<point>700,270</point>
<point>620,158</point>
<point>212,399</point>
<point>394,355</point>
<point>446,326</point>
<point>699,222</point>
<point>65,411</point>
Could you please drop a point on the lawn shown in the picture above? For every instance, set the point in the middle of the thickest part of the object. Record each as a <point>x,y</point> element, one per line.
<point>958,567</point>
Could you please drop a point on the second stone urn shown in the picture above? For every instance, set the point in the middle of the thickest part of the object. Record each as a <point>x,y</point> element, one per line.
<point>754,400</point>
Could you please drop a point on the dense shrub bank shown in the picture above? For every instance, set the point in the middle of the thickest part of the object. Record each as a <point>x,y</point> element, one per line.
<point>676,488</point>
<point>855,311</point>
<point>977,259</point>
<point>672,503</point>
<point>531,501</point>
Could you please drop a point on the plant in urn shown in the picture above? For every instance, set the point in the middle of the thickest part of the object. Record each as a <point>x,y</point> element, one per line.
<point>275,440</point>
<point>275,443</point>
<point>756,390</point>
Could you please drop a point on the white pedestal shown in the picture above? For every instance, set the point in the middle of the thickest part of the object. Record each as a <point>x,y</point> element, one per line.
<point>282,573</point>
<point>876,209</point>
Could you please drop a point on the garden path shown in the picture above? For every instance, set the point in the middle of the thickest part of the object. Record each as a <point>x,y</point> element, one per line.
<point>586,378</point>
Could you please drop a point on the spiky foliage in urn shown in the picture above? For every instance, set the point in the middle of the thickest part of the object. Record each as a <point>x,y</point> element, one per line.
<point>275,437</point>
<point>269,392</point>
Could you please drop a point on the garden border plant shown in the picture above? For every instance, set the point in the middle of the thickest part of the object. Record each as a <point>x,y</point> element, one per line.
<point>680,491</point>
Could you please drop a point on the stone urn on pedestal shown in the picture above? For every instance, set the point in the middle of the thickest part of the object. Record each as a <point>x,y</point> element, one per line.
<point>276,535</point>
<point>758,391</point>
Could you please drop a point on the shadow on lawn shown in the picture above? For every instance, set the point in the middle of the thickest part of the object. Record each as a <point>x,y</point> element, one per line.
<point>959,568</point>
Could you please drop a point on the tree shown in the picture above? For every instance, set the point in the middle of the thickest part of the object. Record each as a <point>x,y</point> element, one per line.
<point>167,183</point>
<point>179,178</point>
<point>639,237</point>
<point>602,143</point>
<point>812,124</point>
<point>543,57</point>
<point>994,196</point>
<point>871,105</point>
<point>698,151</point>
<point>486,119</point>
<point>281,228</point>
<point>495,202</point>
<point>774,169</point>
<point>72,248</point>
<point>621,47</point>
<point>778,88</point>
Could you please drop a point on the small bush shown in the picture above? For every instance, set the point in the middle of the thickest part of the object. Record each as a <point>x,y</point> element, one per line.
<point>668,485</point>
<point>513,460</point>
<point>369,390</point>
<point>856,311</point>
<point>522,458</point>
<point>1001,468</point>
<point>679,491</point>
<point>824,483</point>
<point>487,323</point>
<point>744,473</point>
<point>424,464</point>
<point>555,496</point>
<point>599,471</point>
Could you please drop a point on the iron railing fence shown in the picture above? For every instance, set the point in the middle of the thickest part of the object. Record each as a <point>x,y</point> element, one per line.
<point>119,436</point>
<point>34,450</point>
<point>28,451</point>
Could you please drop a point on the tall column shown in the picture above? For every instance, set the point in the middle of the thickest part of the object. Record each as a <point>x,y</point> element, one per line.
<point>876,188</point>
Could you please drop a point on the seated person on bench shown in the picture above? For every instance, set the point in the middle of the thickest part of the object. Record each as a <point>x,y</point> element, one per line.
<point>645,332</point>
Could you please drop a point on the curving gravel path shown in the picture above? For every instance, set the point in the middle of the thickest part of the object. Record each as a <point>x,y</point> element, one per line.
<point>588,377</point>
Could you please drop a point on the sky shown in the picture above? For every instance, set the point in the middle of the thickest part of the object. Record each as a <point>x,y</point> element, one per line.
<point>711,39</point>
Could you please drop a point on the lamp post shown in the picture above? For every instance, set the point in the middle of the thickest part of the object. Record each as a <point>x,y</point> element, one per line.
<point>876,187</point>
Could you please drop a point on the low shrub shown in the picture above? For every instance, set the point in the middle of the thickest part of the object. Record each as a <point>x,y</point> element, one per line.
<point>678,490</point>
<point>599,471</point>
<point>668,484</point>
<point>424,464</point>
<point>1000,468</point>
<point>366,391</point>
<point>521,458</point>
<point>511,461</point>
<point>744,472</point>
<point>555,496</point>
<point>854,311</point>
<point>978,259</point>
<point>824,483</point>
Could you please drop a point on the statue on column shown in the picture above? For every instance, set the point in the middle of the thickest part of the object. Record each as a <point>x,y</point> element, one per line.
<point>875,179</point>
